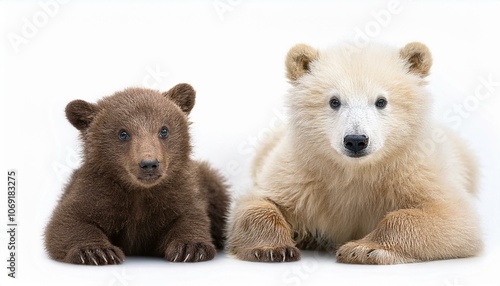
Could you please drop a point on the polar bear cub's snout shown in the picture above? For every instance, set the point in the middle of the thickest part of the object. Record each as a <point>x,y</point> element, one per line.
<point>356,144</point>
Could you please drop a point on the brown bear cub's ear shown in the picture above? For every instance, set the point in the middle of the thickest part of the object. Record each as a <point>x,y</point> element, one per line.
<point>418,57</point>
<point>298,59</point>
<point>81,113</point>
<point>183,95</point>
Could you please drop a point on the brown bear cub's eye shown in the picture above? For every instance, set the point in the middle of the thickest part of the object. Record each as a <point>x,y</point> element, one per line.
<point>123,135</point>
<point>334,102</point>
<point>381,102</point>
<point>164,132</point>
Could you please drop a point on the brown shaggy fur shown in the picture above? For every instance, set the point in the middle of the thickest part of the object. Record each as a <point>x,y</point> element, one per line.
<point>117,204</point>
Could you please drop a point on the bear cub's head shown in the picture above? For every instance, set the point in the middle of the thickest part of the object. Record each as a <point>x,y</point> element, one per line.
<point>358,105</point>
<point>138,137</point>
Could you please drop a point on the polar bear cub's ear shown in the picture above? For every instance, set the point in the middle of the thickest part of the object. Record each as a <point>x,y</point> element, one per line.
<point>418,58</point>
<point>81,113</point>
<point>298,59</point>
<point>183,95</point>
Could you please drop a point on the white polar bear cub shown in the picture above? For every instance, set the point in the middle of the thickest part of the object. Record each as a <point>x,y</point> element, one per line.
<point>348,173</point>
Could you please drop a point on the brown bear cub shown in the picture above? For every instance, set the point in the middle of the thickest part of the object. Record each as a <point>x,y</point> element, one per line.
<point>138,192</point>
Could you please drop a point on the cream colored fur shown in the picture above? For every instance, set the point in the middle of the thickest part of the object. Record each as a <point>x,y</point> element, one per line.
<point>398,204</point>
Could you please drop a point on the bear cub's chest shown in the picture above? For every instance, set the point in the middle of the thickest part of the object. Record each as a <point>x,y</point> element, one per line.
<point>143,219</point>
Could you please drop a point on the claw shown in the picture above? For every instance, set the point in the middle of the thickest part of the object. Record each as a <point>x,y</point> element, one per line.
<point>187,257</point>
<point>83,260</point>
<point>271,253</point>
<point>256,255</point>
<point>115,258</point>
<point>369,253</point>
<point>284,255</point>
<point>175,259</point>
<point>102,255</point>
<point>201,256</point>
<point>95,262</point>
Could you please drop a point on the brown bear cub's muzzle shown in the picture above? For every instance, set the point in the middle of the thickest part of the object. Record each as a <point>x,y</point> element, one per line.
<point>149,171</point>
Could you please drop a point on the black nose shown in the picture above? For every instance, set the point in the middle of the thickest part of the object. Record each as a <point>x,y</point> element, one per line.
<point>149,165</point>
<point>355,143</point>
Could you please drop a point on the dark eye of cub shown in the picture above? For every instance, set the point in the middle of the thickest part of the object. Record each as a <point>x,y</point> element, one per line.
<point>123,135</point>
<point>163,132</point>
<point>334,102</point>
<point>381,102</point>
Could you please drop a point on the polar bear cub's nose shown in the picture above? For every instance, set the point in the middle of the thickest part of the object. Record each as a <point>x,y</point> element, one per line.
<point>355,143</point>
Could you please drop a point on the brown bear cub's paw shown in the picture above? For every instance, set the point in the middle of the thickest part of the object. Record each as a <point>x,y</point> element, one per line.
<point>95,255</point>
<point>367,252</point>
<point>181,251</point>
<point>273,254</point>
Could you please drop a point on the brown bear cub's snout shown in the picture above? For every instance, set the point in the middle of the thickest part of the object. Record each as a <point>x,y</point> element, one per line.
<point>149,166</point>
<point>149,163</point>
<point>150,170</point>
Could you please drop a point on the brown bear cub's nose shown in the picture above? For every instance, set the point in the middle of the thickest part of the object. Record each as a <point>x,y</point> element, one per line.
<point>149,166</point>
<point>355,143</point>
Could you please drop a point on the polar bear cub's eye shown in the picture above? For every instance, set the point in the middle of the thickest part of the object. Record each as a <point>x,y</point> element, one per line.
<point>163,132</point>
<point>123,135</point>
<point>381,102</point>
<point>335,102</point>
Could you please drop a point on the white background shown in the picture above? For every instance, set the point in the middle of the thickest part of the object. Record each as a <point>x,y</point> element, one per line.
<point>232,52</point>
